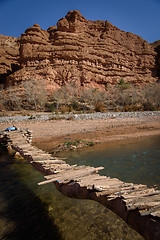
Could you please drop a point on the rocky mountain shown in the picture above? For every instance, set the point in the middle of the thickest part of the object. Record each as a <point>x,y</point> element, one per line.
<point>88,53</point>
<point>9,56</point>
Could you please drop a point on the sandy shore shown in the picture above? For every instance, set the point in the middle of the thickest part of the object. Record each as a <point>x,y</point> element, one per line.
<point>49,134</point>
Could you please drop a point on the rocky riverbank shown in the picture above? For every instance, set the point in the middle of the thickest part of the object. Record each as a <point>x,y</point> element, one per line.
<point>50,132</point>
<point>71,116</point>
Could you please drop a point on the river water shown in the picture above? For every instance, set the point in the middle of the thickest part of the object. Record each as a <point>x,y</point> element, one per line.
<point>29,211</point>
<point>137,162</point>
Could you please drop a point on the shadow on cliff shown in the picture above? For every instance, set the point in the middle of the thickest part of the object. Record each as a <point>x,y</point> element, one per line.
<point>23,214</point>
<point>3,77</point>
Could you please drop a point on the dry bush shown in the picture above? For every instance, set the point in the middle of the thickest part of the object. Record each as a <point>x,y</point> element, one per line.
<point>60,97</point>
<point>34,94</point>
<point>99,99</point>
<point>28,95</point>
<point>2,99</point>
<point>121,97</point>
<point>10,99</point>
<point>94,99</point>
<point>99,107</point>
<point>64,109</point>
<point>68,96</point>
<point>152,95</point>
<point>132,98</point>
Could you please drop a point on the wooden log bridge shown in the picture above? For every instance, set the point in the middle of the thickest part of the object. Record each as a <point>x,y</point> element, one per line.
<point>136,204</point>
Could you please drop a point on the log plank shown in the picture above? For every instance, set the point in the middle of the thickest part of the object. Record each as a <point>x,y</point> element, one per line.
<point>68,176</point>
<point>85,180</point>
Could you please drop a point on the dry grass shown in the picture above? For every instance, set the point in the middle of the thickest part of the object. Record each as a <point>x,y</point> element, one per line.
<point>120,97</point>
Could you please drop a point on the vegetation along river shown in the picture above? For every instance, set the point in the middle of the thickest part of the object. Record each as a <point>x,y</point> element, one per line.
<point>29,211</point>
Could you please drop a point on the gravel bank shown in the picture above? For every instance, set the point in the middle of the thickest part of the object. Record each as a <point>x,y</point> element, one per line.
<point>86,116</point>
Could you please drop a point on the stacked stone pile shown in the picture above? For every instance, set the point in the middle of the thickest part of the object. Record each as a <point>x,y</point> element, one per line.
<point>28,134</point>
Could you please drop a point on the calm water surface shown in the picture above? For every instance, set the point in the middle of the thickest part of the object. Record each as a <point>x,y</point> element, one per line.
<point>29,211</point>
<point>135,162</point>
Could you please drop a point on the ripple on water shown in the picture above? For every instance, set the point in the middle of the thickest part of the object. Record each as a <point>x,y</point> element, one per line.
<point>29,211</point>
<point>136,162</point>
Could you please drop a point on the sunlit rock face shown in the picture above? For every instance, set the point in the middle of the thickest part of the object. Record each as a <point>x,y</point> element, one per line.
<point>88,53</point>
<point>9,56</point>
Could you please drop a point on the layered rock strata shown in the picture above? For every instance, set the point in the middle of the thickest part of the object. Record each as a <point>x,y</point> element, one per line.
<point>88,53</point>
<point>156,46</point>
<point>9,56</point>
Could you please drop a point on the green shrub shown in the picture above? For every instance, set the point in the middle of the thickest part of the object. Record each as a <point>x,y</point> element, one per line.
<point>123,85</point>
<point>121,82</point>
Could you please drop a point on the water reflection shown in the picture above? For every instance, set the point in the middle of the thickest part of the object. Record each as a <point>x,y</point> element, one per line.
<point>29,211</point>
<point>137,162</point>
<point>22,214</point>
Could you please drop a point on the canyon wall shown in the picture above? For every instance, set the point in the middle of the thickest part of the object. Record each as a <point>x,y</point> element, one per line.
<point>9,56</point>
<point>88,53</point>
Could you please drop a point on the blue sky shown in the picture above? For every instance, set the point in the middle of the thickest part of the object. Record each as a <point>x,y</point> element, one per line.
<point>141,17</point>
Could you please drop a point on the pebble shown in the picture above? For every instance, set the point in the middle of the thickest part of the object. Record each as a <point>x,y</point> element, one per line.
<point>83,116</point>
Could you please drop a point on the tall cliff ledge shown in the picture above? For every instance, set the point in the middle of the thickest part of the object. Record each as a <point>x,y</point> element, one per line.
<point>88,53</point>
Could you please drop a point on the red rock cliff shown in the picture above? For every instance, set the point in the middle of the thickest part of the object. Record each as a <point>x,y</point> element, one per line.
<point>9,56</point>
<point>90,53</point>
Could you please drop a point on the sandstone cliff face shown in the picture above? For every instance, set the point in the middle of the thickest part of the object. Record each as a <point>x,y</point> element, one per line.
<point>88,53</point>
<point>156,46</point>
<point>9,56</point>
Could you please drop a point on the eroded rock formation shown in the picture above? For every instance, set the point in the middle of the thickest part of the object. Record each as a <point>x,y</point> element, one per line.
<point>9,56</point>
<point>156,46</point>
<point>88,53</point>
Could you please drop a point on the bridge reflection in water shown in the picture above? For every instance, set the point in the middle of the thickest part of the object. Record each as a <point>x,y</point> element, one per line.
<point>136,204</point>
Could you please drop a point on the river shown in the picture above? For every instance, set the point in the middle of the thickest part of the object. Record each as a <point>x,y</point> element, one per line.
<point>29,211</point>
<point>137,162</point>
